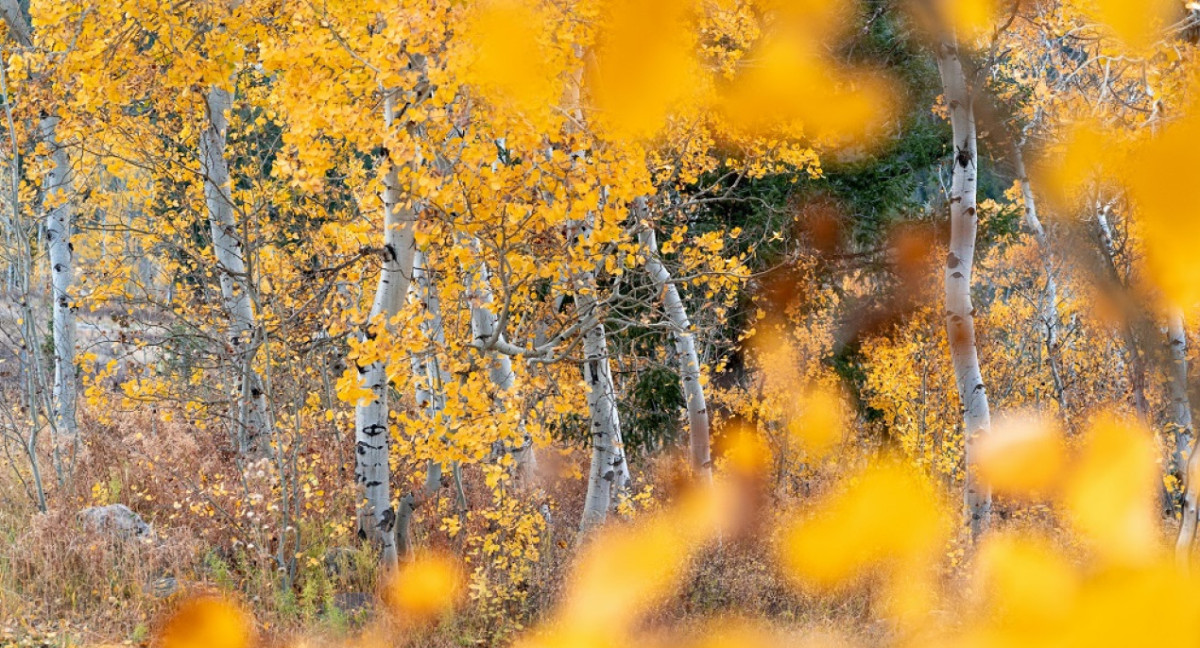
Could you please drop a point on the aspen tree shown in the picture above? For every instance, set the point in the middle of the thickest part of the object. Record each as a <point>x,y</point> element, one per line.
<point>58,188</point>
<point>377,520</point>
<point>685,348</point>
<point>960,261</point>
<point>254,414</point>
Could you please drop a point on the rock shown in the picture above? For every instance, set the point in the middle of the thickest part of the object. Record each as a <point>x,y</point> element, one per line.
<point>353,605</point>
<point>115,519</point>
<point>339,561</point>
<point>164,587</point>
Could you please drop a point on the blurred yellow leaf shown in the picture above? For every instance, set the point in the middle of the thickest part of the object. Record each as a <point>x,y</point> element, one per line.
<point>510,61</point>
<point>887,515</point>
<point>644,65</point>
<point>1110,494</point>
<point>820,423</point>
<point>1022,455</point>
<point>1024,579</point>
<point>424,588</point>
<point>1167,202</point>
<point>206,622</point>
<point>1138,24</point>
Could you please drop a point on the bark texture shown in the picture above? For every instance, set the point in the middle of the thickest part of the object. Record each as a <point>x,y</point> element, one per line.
<point>58,189</point>
<point>1181,406</point>
<point>254,416</point>
<point>608,472</point>
<point>377,519</point>
<point>960,314</point>
<point>685,353</point>
<point>485,330</point>
<point>1049,303</point>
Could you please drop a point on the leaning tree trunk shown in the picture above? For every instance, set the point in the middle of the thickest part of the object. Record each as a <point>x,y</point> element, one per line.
<point>377,519</point>
<point>484,330</point>
<point>254,434</point>
<point>1049,305</point>
<point>960,315</point>
<point>685,352</point>
<point>608,472</point>
<point>58,188</point>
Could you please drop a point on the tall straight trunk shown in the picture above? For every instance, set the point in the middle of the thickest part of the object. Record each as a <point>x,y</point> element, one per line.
<point>960,314</point>
<point>685,352</point>
<point>484,330</point>
<point>254,433</point>
<point>377,519</point>
<point>608,472</point>
<point>58,188</point>
<point>1049,304</point>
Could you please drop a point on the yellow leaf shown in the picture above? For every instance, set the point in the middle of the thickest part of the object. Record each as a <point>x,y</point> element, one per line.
<point>1110,494</point>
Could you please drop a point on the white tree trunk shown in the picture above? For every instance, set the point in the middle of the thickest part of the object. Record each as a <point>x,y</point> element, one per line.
<point>1135,367</point>
<point>960,314</point>
<point>1181,411</point>
<point>608,472</point>
<point>254,435</point>
<point>58,187</point>
<point>58,190</point>
<point>685,352</point>
<point>1181,420</point>
<point>484,331</point>
<point>430,378</point>
<point>1049,305</point>
<point>377,520</point>
<point>1181,406</point>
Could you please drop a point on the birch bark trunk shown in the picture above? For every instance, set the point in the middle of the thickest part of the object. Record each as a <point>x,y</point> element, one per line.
<point>1181,407</point>
<point>1183,465</point>
<point>608,472</point>
<point>58,187</point>
<point>1182,418</point>
<point>685,352</point>
<point>484,323</point>
<point>254,435</point>
<point>377,518</point>
<point>960,314</point>
<point>1135,367</point>
<point>431,395</point>
<point>1049,305</point>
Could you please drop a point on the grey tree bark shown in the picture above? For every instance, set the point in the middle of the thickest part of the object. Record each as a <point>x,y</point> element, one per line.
<point>377,518</point>
<point>58,190</point>
<point>1181,406</point>
<point>608,472</point>
<point>685,351</point>
<point>1049,304</point>
<point>960,314</point>
<point>430,376</point>
<point>1182,418</point>
<point>484,329</point>
<point>254,434</point>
